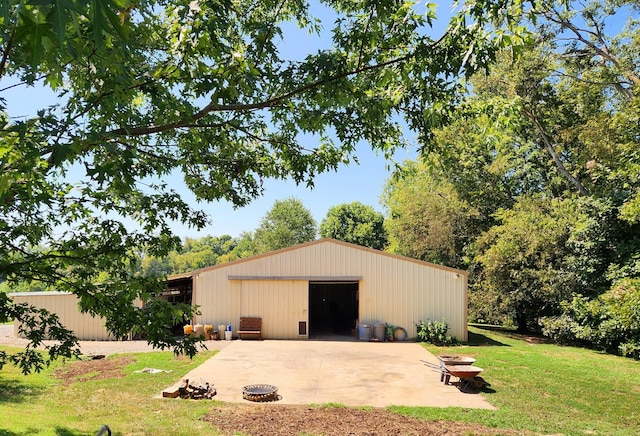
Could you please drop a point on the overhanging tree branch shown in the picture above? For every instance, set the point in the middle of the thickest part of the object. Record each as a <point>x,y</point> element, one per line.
<point>602,50</point>
<point>215,107</point>
<point>5,53</point>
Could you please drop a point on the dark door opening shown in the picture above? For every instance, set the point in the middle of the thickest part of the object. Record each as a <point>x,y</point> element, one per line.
<point>179,291</point>
<point>333,308</point>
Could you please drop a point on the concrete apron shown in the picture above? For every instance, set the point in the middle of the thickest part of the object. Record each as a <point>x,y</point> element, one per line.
<point>349,373</point>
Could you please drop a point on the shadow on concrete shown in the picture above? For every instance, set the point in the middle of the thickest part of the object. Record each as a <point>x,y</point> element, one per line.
<point>332,337</point>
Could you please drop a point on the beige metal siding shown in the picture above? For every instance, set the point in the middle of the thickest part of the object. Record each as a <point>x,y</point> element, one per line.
<point>403,293</point>
<point>392,289</point>
<point>84,326</point>
<point>218,299</point>
<point>281,304</point>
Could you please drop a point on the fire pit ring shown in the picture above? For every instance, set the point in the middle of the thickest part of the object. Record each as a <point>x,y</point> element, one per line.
<point>260,393</point>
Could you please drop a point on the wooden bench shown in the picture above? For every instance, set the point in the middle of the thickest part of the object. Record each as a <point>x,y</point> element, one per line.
<point>250,326</point>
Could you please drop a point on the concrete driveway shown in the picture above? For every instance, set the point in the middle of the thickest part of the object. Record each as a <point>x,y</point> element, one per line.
<point>352,373</point>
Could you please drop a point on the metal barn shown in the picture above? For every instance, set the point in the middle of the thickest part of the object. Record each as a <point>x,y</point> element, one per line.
<point>323,287</point>
<point>327,287</point>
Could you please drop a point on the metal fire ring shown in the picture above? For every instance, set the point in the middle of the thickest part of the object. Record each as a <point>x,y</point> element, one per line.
<point>260,393</point>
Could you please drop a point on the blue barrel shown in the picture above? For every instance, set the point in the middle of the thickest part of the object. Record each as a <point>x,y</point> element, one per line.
<point>364,332</point>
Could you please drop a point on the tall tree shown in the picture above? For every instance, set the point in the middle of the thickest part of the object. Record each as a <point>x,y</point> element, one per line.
<point>287,223</point>
<point>537,132</point>
<point>540,253</point>
<point>355,223</point>
<point>426,218</point>
<point>151,88</point>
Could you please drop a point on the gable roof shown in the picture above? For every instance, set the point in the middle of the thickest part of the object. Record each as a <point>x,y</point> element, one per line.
<point>316,242</point>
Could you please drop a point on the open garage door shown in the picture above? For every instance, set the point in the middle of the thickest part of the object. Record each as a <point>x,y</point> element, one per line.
<point>333,308</point>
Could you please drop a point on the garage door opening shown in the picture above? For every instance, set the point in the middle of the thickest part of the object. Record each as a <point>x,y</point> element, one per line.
<point>333,308</point>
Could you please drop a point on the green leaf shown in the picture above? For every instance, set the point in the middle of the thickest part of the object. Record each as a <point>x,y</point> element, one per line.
<point>116,23</point>
<point>36,31</point>
<point>59,17</point>
<point>4,12</point>
<point>98,22</point>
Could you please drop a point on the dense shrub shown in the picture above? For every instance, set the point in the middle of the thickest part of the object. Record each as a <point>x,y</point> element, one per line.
<point>434,332</point>
<point>610,322</point>
<point>561,329</point>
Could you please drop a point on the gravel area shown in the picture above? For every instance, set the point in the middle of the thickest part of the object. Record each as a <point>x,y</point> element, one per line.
<point>97,347</point>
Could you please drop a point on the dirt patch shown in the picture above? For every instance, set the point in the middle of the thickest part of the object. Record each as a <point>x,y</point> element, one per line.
<point>93,369</point>
<point>329,421</point>
<point>530,338</point>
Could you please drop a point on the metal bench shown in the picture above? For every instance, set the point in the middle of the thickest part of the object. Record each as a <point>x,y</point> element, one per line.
<point>250,326</point>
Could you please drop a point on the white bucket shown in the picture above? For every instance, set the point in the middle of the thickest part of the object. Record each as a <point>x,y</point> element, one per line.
<point>198,330</point>
<point>227,335</point>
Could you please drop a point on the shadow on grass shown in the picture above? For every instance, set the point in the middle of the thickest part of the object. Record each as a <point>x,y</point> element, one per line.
<point>480,340</point>
<point>530,337</point>
<point>59,431</point>
<point>13,391</point>
<point>488,390</point>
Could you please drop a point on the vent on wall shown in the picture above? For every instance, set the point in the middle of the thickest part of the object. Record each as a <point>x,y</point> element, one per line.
<point>302,328</point>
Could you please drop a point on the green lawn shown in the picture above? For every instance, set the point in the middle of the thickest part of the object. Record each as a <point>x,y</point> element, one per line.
<point>546,388</point>
<point>538,387</point>
<point>40,404</point>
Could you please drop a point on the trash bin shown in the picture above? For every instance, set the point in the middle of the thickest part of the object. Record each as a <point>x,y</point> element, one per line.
<point>221,330</point>
<point>364,332</point>
<point>378,331</point>
<point>227,335</point>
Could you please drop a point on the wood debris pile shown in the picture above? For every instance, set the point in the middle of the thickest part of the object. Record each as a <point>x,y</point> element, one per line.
<point>196,391</point>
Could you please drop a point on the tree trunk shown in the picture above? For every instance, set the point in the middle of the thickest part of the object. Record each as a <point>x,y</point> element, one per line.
<point>521,320</point>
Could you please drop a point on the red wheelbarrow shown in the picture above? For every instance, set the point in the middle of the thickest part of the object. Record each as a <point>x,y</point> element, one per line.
<point>453,359</point>
<point>467,376</point>
<point>462,368</point>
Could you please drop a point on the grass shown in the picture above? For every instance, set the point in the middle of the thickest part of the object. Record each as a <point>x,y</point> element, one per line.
<point>40,404</point>
<point>541,388</point>
<point>545,388</point>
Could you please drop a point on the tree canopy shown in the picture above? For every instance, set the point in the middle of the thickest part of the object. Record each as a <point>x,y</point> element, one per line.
<point>192,255</point>
<point>545,148</point>
<point>287,223</point>
<point>205,92</point>
<point>427,219</point>
<point>355,223</point>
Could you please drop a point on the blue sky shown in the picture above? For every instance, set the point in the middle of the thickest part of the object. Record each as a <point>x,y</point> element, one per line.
<point>361,182</point>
